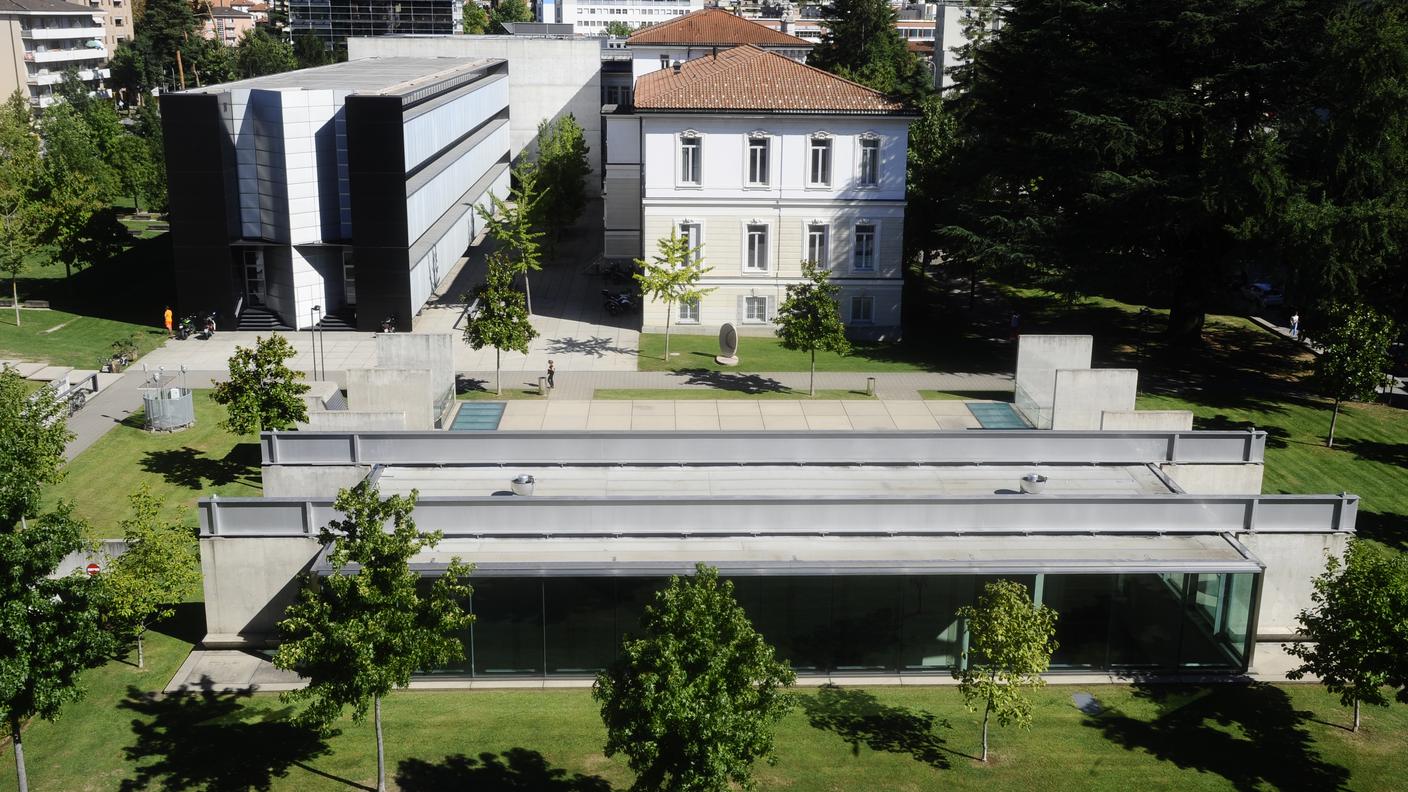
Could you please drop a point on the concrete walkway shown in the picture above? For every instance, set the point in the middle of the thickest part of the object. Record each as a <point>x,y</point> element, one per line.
<point>901,385</point>
<point>737,414</point>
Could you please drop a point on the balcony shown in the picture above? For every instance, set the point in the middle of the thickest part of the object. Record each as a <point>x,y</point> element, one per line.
<point>56,33</point>
<point>54,78</point>
<point>67,55</point>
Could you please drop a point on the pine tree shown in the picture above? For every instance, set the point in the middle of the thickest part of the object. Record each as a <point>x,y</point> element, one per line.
<point>861,43</point>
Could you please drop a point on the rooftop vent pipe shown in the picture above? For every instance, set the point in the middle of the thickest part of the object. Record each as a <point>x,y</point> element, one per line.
<point>676,67</point>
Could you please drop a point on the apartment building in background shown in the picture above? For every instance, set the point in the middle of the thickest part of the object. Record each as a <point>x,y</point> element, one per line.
<point>119,21</point>
<point>226,24</point>
<point>334,21</point>
<point>590,17</point>
<point>41,39</point>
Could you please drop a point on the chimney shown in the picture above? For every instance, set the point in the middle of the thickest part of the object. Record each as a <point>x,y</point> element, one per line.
<point>676,67</point>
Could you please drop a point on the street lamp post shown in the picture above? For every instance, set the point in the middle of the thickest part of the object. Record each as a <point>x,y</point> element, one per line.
<point>313,336</point>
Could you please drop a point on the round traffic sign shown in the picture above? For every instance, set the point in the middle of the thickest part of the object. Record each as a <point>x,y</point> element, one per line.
<point>92,569</point>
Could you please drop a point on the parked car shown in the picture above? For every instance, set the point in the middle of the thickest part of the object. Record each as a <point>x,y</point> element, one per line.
<point>1264,294</point>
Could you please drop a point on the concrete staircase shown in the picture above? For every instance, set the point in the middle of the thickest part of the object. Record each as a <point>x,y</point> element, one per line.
<point>261,320</point>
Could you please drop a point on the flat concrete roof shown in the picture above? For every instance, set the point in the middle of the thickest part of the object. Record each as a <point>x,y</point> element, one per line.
<point>384,76</point>
<point>812,555</point>
<point>762,481</point>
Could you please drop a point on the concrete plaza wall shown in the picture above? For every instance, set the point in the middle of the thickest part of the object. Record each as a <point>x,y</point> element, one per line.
<point>350,421</point>
<point>1083,395</point>
<point>434,352</point>
<point>249,583</point>
<point>547,79</point>
<point>1292,563</point>
<point>1220,479</point>
<point>1155,420</point>
<point>1038,358</point>
<point>408,391</point>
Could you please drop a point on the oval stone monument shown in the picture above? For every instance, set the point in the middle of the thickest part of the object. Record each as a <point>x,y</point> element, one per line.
<point>728,345</point>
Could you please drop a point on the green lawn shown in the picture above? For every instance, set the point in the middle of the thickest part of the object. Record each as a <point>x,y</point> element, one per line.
<point>938,395</point>
<point>765,353</point>
<point>68,339</point>
<point>508,394</point>
<point>1222,737</point>
<point>178,466</point>
<point>699,394</point>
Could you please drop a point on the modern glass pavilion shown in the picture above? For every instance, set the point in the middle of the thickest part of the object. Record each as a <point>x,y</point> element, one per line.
<point>851,551</point>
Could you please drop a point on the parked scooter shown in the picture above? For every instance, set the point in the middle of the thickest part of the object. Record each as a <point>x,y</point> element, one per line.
<point>617,302</point>
<point>388,325</point>
<point>185,328</point>
<point>207,328</point>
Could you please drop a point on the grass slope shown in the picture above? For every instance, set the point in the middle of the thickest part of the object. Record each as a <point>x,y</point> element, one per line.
<point>179,466</point>
<point>68,339</point>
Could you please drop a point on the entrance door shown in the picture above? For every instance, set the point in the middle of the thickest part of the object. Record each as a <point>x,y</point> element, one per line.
<point>349,280</point>
<point>254,277</point>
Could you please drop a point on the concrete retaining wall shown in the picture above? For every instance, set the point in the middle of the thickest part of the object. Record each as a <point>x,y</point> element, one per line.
<point>394,390</point>
<point>1221,479</point>
<point>434,352</point>
<point>306,481</point>
<point>1083,395</point>
<point>350,421</point>
<point>1292,562</point>
<point>1156,420</point>
<point>1038,358</point>
<point>249,582</point>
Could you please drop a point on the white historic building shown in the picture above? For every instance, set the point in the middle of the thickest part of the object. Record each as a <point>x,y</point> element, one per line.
<point>590,17</point>
<point>762,162</point>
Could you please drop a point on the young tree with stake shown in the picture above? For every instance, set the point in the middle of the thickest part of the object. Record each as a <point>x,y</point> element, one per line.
<point>1353,360</point>
<point>692,702</point>
<point>810,318</point>
<point>1009,647</point>
<point>361,631</point>
<point>262,393</point>
<point>513,224</point>
<point>502,320</point>
<point>160,566</point>
<point>1357,628</point>
<point>672,276</point>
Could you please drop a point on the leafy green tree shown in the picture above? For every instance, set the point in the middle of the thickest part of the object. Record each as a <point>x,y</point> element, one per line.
<point>692,702</point>
<point>208,62</point>
<point>562,172</point>
<point>1357,628</point>
<point>162,28</point>
<point>617,28</point>
<point>160,566</point>
<point>810,317</point>
<point>262,393</point>
<point>49,629</point>
<point>672,276</point>
<point>1353,342</point>
<point>310,51</point>
<point>1123,159</point>
<point>148,129</point>
<point>861,43</point>
<point>51,625</point>
<point>361,631</point>
<point>134,167</point>
<point>1010,644</point>
<point>502,320</point>
<point>20,212</point>
<point>508,11</point>
<point>259,53</point>
<point>32,441</point>
<point>512,223</point>
<point>475,21</point>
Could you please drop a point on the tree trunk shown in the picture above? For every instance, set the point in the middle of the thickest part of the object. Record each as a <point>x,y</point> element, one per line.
<point>15,295</point>
<point>669,309</point>
<point>987,711</point>
<point>528,292</point>
<point>20,773</point>
<point>813,379</point>
<point>380,747</point>
<point>1334,418</point>
<point>498,374</point>
<point>141,655</point>
<point>1356,716</point>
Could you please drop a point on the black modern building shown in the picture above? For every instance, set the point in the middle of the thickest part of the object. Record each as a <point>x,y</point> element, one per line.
<point>345,190</point>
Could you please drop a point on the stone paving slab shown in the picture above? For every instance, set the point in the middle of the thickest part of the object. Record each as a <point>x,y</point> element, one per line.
<point>49,373</point>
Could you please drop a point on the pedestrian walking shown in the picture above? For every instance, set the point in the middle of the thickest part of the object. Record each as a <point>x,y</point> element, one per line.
<point>1295,325</point>
<point>166,317</point>
<point>1016,326</point>
<point>551,372</point>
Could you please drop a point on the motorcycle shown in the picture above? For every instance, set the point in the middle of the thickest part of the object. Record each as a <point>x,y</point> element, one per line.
<point>207,329</point>
<point>617,302</point>
<point>186,328</point>
<point>388,325</point>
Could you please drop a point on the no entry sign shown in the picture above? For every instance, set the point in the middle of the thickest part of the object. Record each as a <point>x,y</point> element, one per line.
<point>93,569</point>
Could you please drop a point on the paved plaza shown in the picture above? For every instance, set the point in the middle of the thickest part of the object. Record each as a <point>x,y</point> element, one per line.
<point>737,414</point>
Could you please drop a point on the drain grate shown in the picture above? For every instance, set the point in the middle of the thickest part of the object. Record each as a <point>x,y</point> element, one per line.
<point>997,415</point>
<point>478,417</point>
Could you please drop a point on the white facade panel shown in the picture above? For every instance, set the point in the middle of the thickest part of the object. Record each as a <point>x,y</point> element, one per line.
<point>432,200</point>
<point>590,17</point>
<point>427,134</point>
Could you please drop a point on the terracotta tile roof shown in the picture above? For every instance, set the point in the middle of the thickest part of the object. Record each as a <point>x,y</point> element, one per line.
<point>713,27</point>
<point>747,78</point>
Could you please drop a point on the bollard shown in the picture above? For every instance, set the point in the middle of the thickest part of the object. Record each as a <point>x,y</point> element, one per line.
<point>542,386</point>
<point>869,386</point>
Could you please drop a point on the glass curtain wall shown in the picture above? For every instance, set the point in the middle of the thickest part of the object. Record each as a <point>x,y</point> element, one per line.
<point>871,624</point>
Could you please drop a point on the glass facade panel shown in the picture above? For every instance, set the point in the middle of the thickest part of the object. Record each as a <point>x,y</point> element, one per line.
<point>875,623</point>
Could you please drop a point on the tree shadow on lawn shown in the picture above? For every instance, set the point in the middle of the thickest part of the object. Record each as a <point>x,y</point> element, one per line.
<point>860,719</point>
<point>1248,734</point>
<point>741,383</point>
<point>1276,437</point>
<point>206,739</point>
<point>1395,454</point>
<point>192,469</point>
<point>519,770</point>
<point>186,624</point>
<point>1390,530</point>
